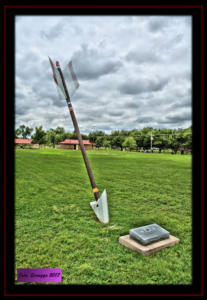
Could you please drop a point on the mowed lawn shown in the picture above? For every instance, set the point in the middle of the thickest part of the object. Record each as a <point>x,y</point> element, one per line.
<point>55,226</point>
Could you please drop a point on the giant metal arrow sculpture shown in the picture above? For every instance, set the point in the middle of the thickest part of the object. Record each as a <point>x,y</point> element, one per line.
<point>100,206</point>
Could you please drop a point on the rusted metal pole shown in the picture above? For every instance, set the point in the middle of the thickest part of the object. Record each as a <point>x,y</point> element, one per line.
<point>75,124</point>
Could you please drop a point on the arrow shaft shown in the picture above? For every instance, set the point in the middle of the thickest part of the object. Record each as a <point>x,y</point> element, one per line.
<point>75,124</point>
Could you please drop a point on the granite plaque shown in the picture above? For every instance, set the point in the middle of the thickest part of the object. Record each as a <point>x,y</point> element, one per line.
<point>148,234</point>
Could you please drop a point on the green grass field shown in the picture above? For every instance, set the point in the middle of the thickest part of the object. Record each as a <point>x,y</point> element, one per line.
<point>56,228</point>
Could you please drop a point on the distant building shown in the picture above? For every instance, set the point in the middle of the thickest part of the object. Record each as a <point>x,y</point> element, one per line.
<point>22,141</point>
<point>25,143</point>
<point>74,144</point>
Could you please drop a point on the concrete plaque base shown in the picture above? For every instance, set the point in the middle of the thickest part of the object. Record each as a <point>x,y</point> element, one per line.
<point>126,241</point>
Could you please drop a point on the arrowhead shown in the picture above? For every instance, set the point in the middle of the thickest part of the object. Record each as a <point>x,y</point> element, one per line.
<point>100,208</point>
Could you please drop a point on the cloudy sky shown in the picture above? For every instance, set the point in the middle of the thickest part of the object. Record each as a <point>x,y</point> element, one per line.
<point>133,71</point>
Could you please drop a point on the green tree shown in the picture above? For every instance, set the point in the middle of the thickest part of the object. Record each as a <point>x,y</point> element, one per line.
<point>59,137</point>
<point>146,141</point>
<point>188,138</point>
<point>39,137</point>
<point>147,130</point>
<point>94,135</point>
<point>124,133</point>
<point>117,141</point>
<point>139,138</point>
<point>106,143</point>
<point>59,130</point>
<point>160,141</point>
<point>84,136</point>
<point>24,131</point>
<point>50,137</point>
<point>180,138</point>
<point>17,133</point>
<point>99,141</point>
<point>129,143</point>
<point>173,143</point>
<point>73,136</point>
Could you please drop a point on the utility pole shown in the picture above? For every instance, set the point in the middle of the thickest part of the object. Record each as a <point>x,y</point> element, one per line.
<point>151,142</point>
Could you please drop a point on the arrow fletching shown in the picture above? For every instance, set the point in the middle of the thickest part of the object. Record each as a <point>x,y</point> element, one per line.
<point>57,79</point>
<point>70,79</point>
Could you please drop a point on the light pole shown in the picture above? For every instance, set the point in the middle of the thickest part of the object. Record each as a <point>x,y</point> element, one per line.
<point>151,139</point>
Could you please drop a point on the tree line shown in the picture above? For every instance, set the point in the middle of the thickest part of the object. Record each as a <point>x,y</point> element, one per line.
<point>135,139</point>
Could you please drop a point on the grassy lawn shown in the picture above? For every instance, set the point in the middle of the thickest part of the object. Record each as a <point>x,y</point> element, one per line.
<point>56,228</point>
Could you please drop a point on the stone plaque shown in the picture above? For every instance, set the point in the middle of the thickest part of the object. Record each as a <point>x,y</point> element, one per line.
<point>148,234</point>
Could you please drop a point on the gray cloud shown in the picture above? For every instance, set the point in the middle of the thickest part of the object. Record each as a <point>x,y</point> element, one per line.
<point>52,33</point>
<point>133,105</point>
<point>157,24</point>
<point>179,117</point>
<point>20,110</point>
<point>116,113</point>
<point>176,117</point>
<point>186,102</point>
<point>145,119</point>
<point>142,56</point>
<point>90,63</point>
<point>143,85</point>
